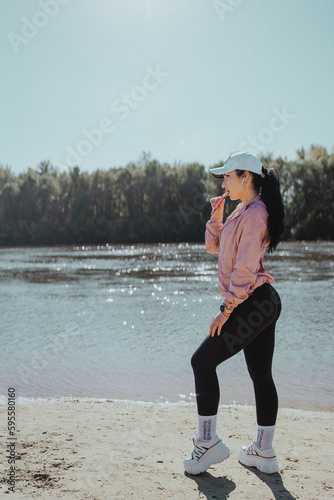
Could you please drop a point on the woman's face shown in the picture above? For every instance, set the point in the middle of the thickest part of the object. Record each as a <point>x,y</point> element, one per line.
<point>233,185</point>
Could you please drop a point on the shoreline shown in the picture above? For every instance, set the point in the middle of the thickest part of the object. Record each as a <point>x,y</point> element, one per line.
<point>98,449</point>
<point>25,400</point>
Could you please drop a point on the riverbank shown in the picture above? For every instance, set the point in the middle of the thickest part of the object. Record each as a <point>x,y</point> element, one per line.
<point>111,449</point>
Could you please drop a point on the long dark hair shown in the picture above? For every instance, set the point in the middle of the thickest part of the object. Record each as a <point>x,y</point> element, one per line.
<point>269,189</point>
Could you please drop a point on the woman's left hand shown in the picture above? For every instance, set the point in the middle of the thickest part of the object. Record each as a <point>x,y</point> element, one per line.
<point>217,324</point>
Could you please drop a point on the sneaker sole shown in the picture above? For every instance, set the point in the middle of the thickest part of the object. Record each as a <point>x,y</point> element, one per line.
<point>266,465</point>
<point>215,456</point>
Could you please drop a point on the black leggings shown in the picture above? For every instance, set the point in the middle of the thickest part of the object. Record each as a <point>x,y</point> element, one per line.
<point>251,327</point>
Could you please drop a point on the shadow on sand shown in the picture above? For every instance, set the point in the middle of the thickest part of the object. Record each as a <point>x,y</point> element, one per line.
<point>274,482</point>
<point>220,487</point>
<point>213,487</point>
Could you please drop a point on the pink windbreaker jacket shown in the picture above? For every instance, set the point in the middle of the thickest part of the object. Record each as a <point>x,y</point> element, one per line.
<point>240,243</point>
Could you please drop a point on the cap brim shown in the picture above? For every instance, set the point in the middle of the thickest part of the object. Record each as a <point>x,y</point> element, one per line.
<point>219,172</point>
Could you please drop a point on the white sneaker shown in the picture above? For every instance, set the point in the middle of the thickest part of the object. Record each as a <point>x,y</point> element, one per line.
<point>205,454</point>
<point>264,460</point>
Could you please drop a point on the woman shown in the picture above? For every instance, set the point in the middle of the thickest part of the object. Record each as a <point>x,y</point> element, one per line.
<point>248,316</point>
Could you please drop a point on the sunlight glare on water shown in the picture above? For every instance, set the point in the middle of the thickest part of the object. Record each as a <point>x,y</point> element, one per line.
<point>122,322</point>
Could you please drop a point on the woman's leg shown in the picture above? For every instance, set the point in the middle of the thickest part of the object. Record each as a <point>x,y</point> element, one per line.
<point>259,355</point>
<point>247,321</point>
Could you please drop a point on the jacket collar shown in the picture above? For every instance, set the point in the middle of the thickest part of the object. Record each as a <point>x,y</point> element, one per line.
<point>237,213</point>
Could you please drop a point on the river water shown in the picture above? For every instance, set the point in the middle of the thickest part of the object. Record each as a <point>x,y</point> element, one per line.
<point>121,321</point>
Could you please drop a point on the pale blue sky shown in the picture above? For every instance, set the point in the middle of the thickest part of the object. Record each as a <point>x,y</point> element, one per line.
<point>186,80</point>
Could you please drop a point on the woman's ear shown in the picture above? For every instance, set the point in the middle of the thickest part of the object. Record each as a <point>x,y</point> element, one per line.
<point>245,177</point>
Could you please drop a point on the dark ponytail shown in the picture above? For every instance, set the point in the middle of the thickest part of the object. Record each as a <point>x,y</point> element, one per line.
<point>271,196</point>
<point>269,189</point>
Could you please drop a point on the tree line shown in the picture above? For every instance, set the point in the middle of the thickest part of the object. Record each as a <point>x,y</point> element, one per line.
<point>150,202</point>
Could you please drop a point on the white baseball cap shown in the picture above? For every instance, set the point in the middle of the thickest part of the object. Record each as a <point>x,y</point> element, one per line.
<point>239,161</point>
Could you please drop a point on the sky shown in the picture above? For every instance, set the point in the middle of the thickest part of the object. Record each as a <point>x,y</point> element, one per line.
<point>96,83</point>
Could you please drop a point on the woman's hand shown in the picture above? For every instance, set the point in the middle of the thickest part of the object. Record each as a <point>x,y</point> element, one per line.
<point>217,324</point>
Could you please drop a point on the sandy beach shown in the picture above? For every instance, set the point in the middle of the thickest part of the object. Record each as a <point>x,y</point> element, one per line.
<point>122,450</point>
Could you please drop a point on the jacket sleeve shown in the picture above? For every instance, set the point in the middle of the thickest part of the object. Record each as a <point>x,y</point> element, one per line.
<point>212,233</point>
<point>251,238</point>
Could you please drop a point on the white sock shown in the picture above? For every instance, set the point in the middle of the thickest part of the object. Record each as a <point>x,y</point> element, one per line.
<point>265,436</point>
<point>206,427</point>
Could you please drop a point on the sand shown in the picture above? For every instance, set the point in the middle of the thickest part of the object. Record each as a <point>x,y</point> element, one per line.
<point>123,450</point>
